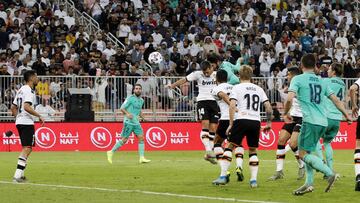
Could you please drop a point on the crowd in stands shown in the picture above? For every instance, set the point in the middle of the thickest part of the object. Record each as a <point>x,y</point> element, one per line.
<point>269,35</point>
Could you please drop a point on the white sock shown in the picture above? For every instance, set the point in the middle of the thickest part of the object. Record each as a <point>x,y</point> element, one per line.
<point>19,172</point>
<point>287,148</point>
<point>225,162</point>
<point>219,151</point>
<point>239,154</point>
<point>280,156</point>
<point>357,161</point>
<point>254,166</point>
<point>211,140</point>
<point>205,140</point>
<point>300,162</point>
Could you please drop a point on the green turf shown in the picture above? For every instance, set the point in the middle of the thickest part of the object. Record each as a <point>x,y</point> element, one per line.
<point>169,172</point>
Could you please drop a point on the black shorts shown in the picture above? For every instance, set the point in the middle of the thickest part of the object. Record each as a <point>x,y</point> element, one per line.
<point>27,135</point>
<point>208,110</point>
<point>295,126</point>
<point>222,127</point>
<point>248,128</point>
<point>358,129</point>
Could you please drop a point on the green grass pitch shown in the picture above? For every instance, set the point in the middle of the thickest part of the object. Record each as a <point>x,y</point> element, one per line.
<point>87,177</point>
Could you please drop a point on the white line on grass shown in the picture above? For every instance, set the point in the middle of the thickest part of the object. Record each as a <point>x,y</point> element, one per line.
<point>138,191</point>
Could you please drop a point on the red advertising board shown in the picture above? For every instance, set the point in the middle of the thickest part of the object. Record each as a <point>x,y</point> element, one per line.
<point>158,136</point>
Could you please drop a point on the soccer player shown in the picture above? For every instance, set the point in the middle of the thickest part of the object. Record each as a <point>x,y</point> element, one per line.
<point>311,93</point>
<point>334,116</point>
<point>289,131</point>
<point>230,68</point>
<point>221,93</point>
<point>207,108</point>
<point>247,98</point>
<point>131,108</point>
<point>23,109</point>
<point>354,89</point>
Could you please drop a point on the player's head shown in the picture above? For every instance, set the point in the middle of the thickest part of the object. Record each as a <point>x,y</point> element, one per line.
<point>206,68</point>
<point>245,72</point>
<point>292,72</point>
<point>30,77</point>
<point>221,76</point>
<point>336,70</point>
<point>137,90</point>
<point>308,62</point>
<point>214,61</point>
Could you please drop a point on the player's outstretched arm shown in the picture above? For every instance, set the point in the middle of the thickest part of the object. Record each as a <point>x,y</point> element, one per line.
<point>224,97</point>
<point>28,108</point>
<point>177,83</point>
<point>339,105</point>
<point>354,98</point>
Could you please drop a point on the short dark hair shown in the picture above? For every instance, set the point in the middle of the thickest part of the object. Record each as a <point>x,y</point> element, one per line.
<point>308,61</point>
<point>137,85</point>
<point>28,74</point>
<point>338,68</point>
<point>221,76</point>
<point>205,65</point>
<point>294,71</point>
<point>213,58</point>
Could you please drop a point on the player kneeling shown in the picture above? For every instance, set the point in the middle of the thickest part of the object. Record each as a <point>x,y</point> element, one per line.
<point>247,98</point>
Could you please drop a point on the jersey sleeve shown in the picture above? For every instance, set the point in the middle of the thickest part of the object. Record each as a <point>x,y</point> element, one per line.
<point>264,97</point>
<point>193,76</point>
<point>126,103</point>
<point>28,96</point>
<point>294,85</point>
<point>234,94</point>
<point>15,100</point>
<point>357,82</point>
<point>327,88</point>
<point>214,92</point>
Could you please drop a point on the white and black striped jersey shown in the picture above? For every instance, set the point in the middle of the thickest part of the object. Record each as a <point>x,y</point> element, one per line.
<point>205,84</point>
<point>24,95</point>
<point>249,98</point>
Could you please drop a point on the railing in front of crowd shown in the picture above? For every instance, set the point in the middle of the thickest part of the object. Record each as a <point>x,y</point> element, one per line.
<point>109,93</point>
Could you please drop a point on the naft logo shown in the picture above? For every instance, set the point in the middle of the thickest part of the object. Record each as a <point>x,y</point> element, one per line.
<point>267,139</point>
<point>101,137</point>
<point>45,137</point>
<point>156,137</point>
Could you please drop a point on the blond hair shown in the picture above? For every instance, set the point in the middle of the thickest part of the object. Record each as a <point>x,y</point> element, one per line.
<point>245,72</point>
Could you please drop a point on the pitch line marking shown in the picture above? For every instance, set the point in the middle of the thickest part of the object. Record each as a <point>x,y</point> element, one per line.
<point>137,191</point>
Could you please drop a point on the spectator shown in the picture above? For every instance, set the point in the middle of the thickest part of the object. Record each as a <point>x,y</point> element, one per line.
<point>39,66</point>
<point>148,89</point>
<point>46,111</point>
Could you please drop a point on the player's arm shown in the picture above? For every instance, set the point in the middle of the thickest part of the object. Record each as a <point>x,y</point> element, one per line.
<point>141,115</point>
<point>268,110</point>
<point>28,108</point>
<point>14,110</point>
<point>339,105</point>
<point>288,102</point>
<point>177,83</point>
<point>232,110</point>
<point>224,97</point>
<point>125,112</point>
<point>353,98</point>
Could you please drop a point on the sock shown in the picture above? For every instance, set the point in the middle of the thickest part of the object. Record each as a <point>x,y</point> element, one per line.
<point>219,151</point>
<point>226,161</point>
<point>211,140</point>
<point>328,155</point>
<point>239,154</point>
<point>316,163</point>
<point>204,134</point>
<point>21,165</point>
<point>141,148</point>
<point>117,146</point>
<point>309,175</point>
<point>280,156</point>
<point>300,162</point>
<point>287,148</point>
<point>357,161</point>
<point>254,166</point>
<point>318,151</point>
